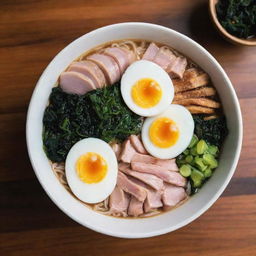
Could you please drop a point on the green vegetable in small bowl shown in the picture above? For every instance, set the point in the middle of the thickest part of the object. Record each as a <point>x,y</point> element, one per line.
<point>238,17</point>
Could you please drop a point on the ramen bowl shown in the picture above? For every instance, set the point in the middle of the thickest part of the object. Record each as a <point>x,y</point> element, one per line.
<point>135,227</point>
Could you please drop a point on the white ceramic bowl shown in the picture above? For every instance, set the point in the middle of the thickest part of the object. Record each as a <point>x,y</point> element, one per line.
<point>169,221</point>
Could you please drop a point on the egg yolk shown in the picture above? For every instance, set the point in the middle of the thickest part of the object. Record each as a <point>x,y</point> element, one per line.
<point>164,132</point>
<point>91,168</point>
<point>146,93</point>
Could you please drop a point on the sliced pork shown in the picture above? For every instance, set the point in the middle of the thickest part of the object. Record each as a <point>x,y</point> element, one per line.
<point>151,52</point>
<point>177,67</point>
<point>164,58</point>
<point>119,201</point>
<point>172,195</point>
<point>127,152</point>
<point>152,180</point>
<point>168,176</point>
<point>153,199</point>
<point>75,83</point>
<point>135,207</point>
<point>130,54</point>
<point>91,70</point>
<point>130,187</point>
<point>137,144</point>
<point>122,57</point>
<point>108,65</point>
<point>123,166</point>
<point>168,164</point>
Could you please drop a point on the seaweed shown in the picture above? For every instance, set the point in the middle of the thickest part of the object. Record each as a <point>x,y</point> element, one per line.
<point>238,17</point>
<point>100,113</point>
<point>214,131</point>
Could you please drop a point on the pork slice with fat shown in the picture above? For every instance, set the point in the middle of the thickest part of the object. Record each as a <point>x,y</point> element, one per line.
<point>168,176</point>
<point>172,195</point>
<point>118,201</point>
<point>127,152</point>
<point>135,207</point>
<point>121,56</point>
<point>164,58</point>
<point>108,65</point>
<point>137,144</point>
<point>153,199</point>
<point>177,67</point>
<point>91,70</point>
<point>130,187</point>
<point>75,83</point>
<point>151,52</point>
<point>169,164</point>
<point>130,54</point>
<point>149,179</point>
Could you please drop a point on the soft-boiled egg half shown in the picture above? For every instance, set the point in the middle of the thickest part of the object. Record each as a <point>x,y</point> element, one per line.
<point>91,170</point>
<point>168,134</point>
<point>146,88</point>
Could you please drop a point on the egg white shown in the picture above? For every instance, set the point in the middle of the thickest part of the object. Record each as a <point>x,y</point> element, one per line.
<point>185,123</point>
<point>146,69</point>
<point>96,192</point>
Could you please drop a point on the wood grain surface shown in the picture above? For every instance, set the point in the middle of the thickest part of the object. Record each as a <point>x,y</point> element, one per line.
<point>32,32</point>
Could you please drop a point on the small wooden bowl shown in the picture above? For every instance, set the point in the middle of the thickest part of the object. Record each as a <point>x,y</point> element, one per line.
<point>223,32</point>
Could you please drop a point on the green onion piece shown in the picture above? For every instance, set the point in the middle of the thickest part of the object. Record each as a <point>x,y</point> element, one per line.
<point>209,159</point>
<point>180,162</point>
<point>200,164</point>
<point>189,159</point>
<point>193,151</point>
<point>193,141</point>
<point>207,173</point>
<point>186,152</point>
<point>197,177</point>
<point>201,147</point>
<point>213,150</point>
<point>185,170</point>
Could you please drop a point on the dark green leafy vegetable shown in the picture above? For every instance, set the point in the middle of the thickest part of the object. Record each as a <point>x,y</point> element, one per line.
<point>100,113</point>
<point>193,141</point>
<point>238,17</point>
<point>117,122</point>
<point>213,131</point>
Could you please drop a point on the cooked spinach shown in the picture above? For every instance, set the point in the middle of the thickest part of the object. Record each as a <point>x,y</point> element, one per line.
<point>238,17</point>
<point>117,121</point>
<point>213,131</point>
<point>100,113</point>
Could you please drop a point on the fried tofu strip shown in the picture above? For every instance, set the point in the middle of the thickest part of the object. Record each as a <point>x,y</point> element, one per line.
<point>193,109</point>
<point>191,82</point>
<point>188,74</point>
<point>205,102</point>
<point>196,93</point>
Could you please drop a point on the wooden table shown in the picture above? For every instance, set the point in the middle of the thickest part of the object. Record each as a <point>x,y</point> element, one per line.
<point>31,34</point>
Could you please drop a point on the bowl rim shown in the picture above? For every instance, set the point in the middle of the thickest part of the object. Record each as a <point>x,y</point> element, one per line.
<point>167,229</point>
<point>224,32</point>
